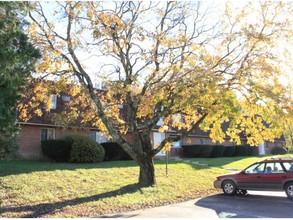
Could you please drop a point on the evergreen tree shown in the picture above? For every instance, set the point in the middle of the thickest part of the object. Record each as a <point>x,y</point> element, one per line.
<point>17,58</point>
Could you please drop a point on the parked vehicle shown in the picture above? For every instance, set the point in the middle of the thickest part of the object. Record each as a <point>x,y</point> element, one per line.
<point>275,174</point>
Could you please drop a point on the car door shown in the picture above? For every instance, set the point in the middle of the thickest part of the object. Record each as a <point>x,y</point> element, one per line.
<point>250,177</point>
<point>273,176</point>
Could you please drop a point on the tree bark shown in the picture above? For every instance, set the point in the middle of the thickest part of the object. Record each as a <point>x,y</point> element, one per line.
<point>147,172</point>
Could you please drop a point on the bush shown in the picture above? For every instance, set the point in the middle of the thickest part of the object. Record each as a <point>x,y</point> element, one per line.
<point>229,151</point>
<point>8,145</point>
<point>57,150</point>
<point>278,150</point>
<point>191,150</point>
<point>218,151</point>
<point>84,150</point>
<point>113,151</point>
<point>206,151</point>
<point>241,150</point>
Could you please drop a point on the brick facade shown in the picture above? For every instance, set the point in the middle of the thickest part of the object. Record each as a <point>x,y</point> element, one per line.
<point>269,146</point>
<point>29,139</point>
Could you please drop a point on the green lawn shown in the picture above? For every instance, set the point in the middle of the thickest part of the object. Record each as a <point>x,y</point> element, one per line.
<point>44,189</point>
<point>238,163</point>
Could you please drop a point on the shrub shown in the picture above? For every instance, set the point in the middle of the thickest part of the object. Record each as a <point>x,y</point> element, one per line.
<point>191,150</point>
<point>206,151</point>
<point>241,150</point>
<point>8,145</point>
<point>253,151</point>
<point>113,151</point>
<point>278,150</point>
<point>57,150</point>
<point>218,151</point>
<point>229,151</point>
<point>84,150</point>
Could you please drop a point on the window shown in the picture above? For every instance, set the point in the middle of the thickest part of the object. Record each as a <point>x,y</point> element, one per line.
<point>278,144</point>
<point>288,166</point>
<point>255,168</point>
<point>47,134</point>
<point>202,141</point>
<point>160,122</point>
<point>274,168</point>
<point>66,98</point>
<point>177,144</point>
<point>54,101</point>
<point>177,118</point>
<point>100,137</point>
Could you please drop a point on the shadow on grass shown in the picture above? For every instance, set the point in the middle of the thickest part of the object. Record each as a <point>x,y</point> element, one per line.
<point>15,167</point>
<point>41,210</point>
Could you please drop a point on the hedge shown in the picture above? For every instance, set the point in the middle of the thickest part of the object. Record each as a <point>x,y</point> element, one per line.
<point>279,150</point>
<point>113,151</point>
<point>218,151</point>
<point>206,151</point>
<point>242,150</point>
<point>191,150</point>
<point>57,150</point>
<point>229,151</point>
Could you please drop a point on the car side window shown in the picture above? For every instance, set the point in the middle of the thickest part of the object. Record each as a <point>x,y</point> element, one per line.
<point>274,167</point>
<point>288,166</point>
<point>255,168</point>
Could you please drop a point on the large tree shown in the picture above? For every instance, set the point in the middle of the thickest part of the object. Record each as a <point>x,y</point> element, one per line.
<point>186,62</point>
<point>17,57</point>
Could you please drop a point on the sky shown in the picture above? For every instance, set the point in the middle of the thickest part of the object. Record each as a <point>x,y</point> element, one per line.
<point>89,59</point>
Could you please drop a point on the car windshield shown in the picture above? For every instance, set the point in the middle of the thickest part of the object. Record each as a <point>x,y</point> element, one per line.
<point>255,168</point>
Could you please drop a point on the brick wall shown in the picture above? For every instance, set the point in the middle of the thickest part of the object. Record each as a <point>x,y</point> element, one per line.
<point>29,140</point>
<point>269,146</point>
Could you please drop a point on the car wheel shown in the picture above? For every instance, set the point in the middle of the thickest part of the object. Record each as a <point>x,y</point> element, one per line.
<point>229,187</point>
<point>289,190</point>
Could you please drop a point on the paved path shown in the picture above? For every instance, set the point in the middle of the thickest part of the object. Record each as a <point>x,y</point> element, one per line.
<point>254,205</point>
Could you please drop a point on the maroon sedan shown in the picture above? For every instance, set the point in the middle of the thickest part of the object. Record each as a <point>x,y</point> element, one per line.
<point>274,174</point>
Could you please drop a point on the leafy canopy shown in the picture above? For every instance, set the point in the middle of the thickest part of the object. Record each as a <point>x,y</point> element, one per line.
<point>17,58</point>
<point>162,59</point>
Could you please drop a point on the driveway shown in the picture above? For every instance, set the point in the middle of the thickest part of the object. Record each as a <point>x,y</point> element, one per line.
<point>253,205</point>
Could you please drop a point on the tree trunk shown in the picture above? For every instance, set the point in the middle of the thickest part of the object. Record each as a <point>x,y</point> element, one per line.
<point>147,172</point>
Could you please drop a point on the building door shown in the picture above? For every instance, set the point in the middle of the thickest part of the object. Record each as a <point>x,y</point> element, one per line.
<point>158,138</point>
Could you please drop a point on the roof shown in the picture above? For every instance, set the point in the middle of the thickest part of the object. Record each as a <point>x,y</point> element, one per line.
<point>278,159</point>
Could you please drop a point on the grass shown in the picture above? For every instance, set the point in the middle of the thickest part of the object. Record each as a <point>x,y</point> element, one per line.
<point>238,163</point>
<point>43,189</point>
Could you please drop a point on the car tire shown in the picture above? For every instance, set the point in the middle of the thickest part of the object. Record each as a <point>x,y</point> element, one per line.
<point>229,187</point>
<point>289,190</point>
